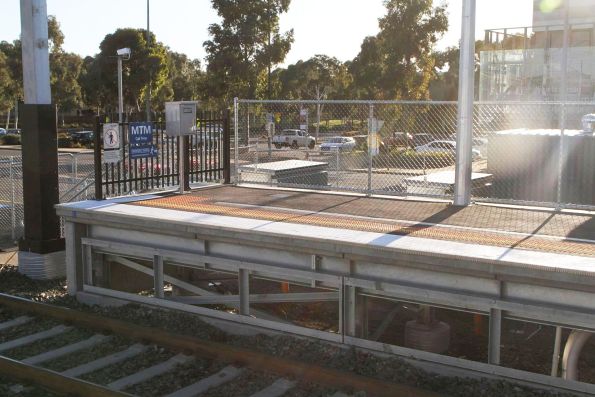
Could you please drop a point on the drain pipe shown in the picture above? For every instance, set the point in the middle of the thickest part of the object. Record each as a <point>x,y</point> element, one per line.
<point>572,351</point>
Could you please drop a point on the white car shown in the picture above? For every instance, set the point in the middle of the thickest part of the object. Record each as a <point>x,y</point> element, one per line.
<point>446,147</point>
<point>294,139</point>
<point>340,143</point>
<point>2,131</point>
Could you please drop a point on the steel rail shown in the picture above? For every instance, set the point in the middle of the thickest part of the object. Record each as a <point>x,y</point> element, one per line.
<point>54,380</point>
<point>182,343</point>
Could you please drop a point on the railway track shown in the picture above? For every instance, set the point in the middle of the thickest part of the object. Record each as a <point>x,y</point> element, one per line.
<point>78,353</point>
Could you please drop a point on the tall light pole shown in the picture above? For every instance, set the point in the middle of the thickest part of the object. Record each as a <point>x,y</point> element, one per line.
<point>123,53</point>
<point>42,241</point>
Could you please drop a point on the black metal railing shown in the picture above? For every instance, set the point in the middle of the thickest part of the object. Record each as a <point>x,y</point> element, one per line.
<point>206,158</point>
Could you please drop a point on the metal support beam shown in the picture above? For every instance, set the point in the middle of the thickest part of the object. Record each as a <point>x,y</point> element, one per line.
<point>158,276</point>
<point>556,354</point>
<point>462,196</point>
<point>349,305</point>
<point>302,297</point>
<point>74,256</point>
<point>495,335</point>
<point>244,286</point>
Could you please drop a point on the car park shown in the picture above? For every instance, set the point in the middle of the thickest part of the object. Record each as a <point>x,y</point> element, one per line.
<point>398,139</point>
<point>422,139</point>
<point>443,147</point>
<point>338,143</point>
<point>82,137</point>
<point>293,139</point>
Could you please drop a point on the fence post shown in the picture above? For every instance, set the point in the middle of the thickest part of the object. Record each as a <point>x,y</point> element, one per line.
<point>12,200</point>
<point>226,148</point>
<point>235,144</point>
<point>97,160</point>
<point>76,167</point>
<point>370,145</point>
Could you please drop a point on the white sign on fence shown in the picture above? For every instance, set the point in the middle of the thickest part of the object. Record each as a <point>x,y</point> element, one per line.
<point>111,143</point>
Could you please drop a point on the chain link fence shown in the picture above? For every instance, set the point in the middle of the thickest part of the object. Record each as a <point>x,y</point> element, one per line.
<point>522,152</point>
<point>76,182</point>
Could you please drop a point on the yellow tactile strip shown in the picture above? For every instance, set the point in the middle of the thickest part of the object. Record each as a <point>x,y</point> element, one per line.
<point>193,203</point>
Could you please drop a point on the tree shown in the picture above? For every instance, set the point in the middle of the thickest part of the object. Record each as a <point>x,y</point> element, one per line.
<point>100,79</point>
<point>6,100</point>
<point>320,77</point>
<point>245,46</point>
<point>399,62</point>
<point>13,89</point>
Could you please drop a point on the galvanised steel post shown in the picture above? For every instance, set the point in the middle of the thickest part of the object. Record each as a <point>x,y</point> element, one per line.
<point>462,196</point>
<point>12,199</point>
<point>495,336</point>
<point>563,98</point>
<point>244,286</point>
<point>235,144</point>
<point>370,157</point>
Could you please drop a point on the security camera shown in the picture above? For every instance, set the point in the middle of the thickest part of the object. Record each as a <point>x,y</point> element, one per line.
<point>124,52</point>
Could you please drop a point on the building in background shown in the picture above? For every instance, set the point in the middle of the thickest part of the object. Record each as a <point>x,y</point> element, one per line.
<point>526,63</point>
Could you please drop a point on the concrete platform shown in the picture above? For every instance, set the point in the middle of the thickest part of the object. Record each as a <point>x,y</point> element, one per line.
<point>518,263</point>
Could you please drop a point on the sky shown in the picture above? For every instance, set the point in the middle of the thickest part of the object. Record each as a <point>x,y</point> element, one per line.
<point>332,27</point>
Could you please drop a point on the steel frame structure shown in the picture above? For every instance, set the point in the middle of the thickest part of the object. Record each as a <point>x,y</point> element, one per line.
<point>351,272</point>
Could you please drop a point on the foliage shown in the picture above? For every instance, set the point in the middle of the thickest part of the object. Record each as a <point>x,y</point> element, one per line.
<point>398,63</point>
<point>11,74</point>
<point>184,81</point>
<point>320,77</point>
<point>10,139</point>
<point>244,46</point>
<point>100,80</point>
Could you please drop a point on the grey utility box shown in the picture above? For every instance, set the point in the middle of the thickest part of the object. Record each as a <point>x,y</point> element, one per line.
<point>180,118</point>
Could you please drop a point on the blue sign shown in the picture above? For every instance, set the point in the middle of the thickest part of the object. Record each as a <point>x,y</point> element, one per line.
<point>140,133</point>
<point>143,151</point>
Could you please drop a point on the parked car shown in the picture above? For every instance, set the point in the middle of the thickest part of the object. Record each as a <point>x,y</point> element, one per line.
<point>445,147</point>
<point>294,139</point>
<point>399,139</point>
<point>3,131</point>
<point>361,143</point>
<point>14,131</point>
<point>338,143</point>
<point>481,145</point>
<point>422,139</point>
<point>82,137</point>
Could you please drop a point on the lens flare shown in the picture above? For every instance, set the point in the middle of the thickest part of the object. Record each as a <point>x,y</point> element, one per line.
<point>547,6</point>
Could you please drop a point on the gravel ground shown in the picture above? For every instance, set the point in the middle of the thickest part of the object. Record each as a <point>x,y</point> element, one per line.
<point>358,362</point>
<point>32,327</point>
<point>33,349</point>
<point>115,344</point>
<point>114,372</point>
<point>183,376</point>
<point>8,388</point>
<point>248,383</point>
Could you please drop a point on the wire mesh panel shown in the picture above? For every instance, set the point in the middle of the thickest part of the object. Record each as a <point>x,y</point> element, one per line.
<point>521,151</point>
<point>535,152</point>
<point>11,198</point>
<point>367,147</point>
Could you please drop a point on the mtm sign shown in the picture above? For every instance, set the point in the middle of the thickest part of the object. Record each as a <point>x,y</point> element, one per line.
<point>140,139</point>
